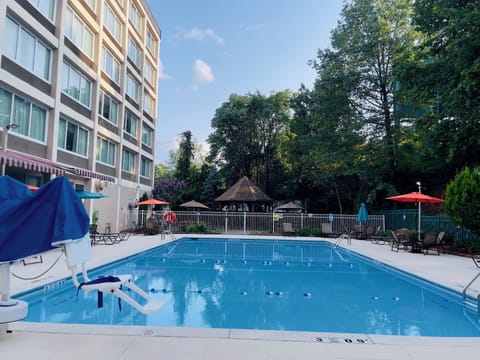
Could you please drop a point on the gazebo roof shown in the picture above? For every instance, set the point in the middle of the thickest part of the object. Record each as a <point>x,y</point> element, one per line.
<point>244,191</point>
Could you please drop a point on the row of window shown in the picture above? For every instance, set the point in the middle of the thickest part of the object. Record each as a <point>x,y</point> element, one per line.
<point>71,137</point>
<point>111,22</point>
<point>32,54</point>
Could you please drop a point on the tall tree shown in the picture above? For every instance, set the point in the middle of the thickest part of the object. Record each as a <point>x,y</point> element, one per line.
<point>185,157</point>
<point>447,80</point>
<point>372,38</point>
<point>247,134</point>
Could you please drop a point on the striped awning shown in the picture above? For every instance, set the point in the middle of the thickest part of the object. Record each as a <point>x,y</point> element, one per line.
<point>93,175</point>
<point>15,159</point>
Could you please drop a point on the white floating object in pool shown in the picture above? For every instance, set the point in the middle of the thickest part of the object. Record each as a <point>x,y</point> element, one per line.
<point>307,294</point>
<point>269,293</point>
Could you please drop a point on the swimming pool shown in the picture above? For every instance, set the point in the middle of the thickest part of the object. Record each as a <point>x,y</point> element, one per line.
<point>263,284</point>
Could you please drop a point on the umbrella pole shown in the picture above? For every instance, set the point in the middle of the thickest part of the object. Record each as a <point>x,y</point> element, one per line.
<point>419,220</point>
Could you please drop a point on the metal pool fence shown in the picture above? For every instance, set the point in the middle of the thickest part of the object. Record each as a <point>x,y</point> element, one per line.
<point>249,222</point>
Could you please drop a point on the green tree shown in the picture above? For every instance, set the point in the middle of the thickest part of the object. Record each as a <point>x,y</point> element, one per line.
<point>185,157</point>
<point>372,39</point>
<point>447,81</point>
<point>248,131</point>
<point>463,199</point>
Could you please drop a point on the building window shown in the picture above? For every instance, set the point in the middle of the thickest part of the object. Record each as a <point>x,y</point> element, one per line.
<point>46,7</point>
<point>76,84</point>
<point>128,161</point>
<point>72,138</point>
<point>133,88</point>
<point>106,151</point>
<point>112,23</point>
<point>135,18</point>
<point>78,33</point>
<point>151,43</point>
<point>149,73</point>
<point>31,118</point>
<point>133,52</point>
<point>148,104</point>
<point>130,124</point>
<point>147,135</point>
<point>111,66</point>
<point>145,167</point>
<point>108,108</point>
<point>26,50</point>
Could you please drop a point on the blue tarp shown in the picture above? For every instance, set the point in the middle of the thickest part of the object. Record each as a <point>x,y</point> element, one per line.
<point>34,222</point>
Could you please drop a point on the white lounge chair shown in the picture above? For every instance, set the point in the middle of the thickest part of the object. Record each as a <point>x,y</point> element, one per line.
<point>77,254</point>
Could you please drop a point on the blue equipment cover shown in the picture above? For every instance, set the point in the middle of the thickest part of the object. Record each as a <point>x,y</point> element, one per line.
<point>34,222</point>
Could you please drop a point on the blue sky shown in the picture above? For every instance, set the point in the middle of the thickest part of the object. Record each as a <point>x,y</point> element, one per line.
<point>213,48</point>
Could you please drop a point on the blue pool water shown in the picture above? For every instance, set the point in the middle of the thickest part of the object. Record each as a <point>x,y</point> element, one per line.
<point>270,285</point>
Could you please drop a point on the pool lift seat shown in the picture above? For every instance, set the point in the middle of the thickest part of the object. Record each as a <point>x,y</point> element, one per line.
<point>77,253</point>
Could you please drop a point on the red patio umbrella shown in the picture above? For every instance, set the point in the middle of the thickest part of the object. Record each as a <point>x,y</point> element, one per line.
<point>417,197</point>
<point>414,197</point>
<point>153,202</point>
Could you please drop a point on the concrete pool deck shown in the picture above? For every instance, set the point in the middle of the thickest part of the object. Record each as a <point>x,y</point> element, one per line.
<point>58,341</point>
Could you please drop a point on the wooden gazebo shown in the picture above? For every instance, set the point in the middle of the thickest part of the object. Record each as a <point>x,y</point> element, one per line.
<point>245,193</point>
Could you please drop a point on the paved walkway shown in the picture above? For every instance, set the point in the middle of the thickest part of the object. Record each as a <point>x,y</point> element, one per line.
<point>41,341</point>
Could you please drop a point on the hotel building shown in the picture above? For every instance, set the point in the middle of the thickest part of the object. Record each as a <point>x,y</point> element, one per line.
<point>78,97</point>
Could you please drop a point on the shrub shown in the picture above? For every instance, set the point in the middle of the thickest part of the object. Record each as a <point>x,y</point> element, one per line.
<point>197,228</point>
<point>304,232</point>
<point>317,232</point>
<point>462,202</point>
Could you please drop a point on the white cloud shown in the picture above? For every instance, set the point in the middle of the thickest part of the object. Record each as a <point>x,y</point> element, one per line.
<point>161,74</point>
<point>202,72</point>
<point>203,34</point>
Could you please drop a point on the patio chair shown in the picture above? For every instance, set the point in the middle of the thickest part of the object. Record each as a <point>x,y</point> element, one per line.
<point>288,229</point>
<point>327,230</point>
<point>429,242</point>
<point>441,241</point>
<point>77,253</point>
<point>358,232</point>
<point>400,240</point>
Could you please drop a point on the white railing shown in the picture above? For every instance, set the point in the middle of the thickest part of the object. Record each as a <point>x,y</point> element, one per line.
<point>249,222</point>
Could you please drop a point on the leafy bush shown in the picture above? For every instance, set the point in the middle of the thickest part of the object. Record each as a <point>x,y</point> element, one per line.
<point>463,199</point>
<point>304,232</point>
<point>197,228</point>
<point>317,232</point>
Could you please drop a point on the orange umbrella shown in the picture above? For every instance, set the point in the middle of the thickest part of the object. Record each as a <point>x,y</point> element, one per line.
<point>153,202</point>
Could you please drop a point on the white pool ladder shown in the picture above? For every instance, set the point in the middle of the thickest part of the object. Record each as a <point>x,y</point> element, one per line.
<point>476,261</point>
<point>345,237</point>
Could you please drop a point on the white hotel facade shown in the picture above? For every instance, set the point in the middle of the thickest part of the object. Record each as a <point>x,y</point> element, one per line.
<point>78,97</point>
